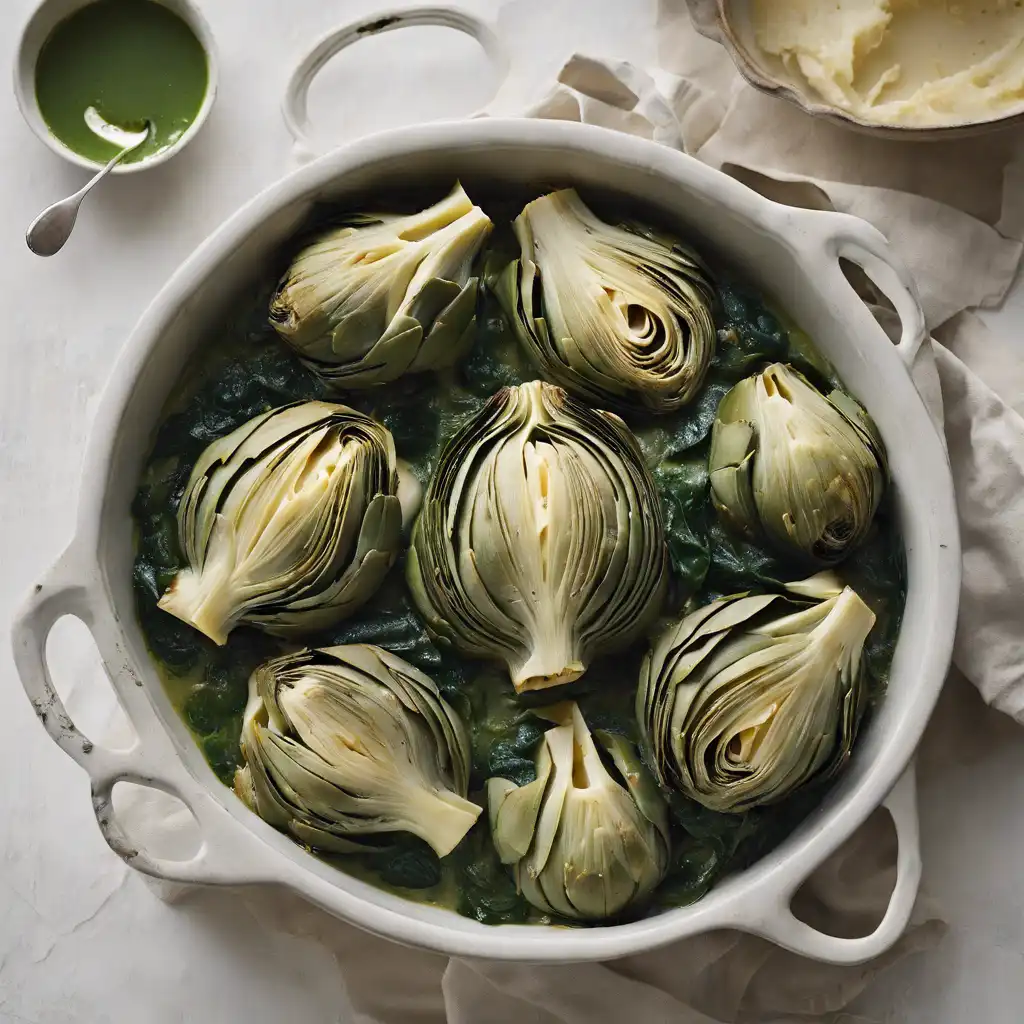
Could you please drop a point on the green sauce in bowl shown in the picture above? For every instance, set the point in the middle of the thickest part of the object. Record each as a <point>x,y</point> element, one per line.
<point>134,61</point>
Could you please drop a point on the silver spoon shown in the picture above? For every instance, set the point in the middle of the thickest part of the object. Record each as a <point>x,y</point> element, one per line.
<point>47,234</point>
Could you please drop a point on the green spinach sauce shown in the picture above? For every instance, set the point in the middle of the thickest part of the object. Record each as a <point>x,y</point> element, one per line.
<point>134,61</point>
<point>247,370</point>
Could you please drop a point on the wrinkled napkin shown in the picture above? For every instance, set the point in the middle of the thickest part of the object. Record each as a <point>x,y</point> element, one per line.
<point>954,212</point>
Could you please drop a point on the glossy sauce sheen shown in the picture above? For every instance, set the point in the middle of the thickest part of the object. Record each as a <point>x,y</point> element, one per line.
<point>133,60</point>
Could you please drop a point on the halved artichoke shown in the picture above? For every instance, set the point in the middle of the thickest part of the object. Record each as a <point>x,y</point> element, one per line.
<point>385,294</point>
<point>751,696</point>
<point>289,523</point>
<point>540,541</point>
<point>806,470</point>
<point>584,840</point>
<point>346,743</point>
<point>618,314</point>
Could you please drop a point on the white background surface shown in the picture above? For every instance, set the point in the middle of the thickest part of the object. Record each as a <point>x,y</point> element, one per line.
<point>84,939</point>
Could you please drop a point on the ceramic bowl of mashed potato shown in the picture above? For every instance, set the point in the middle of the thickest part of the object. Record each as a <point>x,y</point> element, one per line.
<point>905,68</point>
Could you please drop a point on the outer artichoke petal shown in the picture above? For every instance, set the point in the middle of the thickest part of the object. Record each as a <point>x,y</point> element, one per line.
<point>347,742</point>
<point>639,781</point>
<point>357,334</point>
<point>385,294</point>
<point>289,523</point>
<point>559,744</point>
<point>391,353</point>
<point>582,843</point>
<point>858,417</point>
<point>434,298</point>
<point>540,541</point>
<point>619,315</point>
<point>744,708</point>
<point>453,331</point>
<point>821,585</point>
<point>735,440</point>
<point>732,493</point>
<point>321,839</point>
<point>514,813</point>
<point>788,463</point>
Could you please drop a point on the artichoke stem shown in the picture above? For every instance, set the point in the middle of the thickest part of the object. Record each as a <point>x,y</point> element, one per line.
<point>204,604</point>
<point>442,819</point>
<point>553,664</point>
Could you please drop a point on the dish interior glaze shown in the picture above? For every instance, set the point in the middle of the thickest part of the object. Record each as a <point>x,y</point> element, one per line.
<point>243,368</point>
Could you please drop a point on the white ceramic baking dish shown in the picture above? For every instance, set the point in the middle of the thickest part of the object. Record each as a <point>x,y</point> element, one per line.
<point>790,253</point>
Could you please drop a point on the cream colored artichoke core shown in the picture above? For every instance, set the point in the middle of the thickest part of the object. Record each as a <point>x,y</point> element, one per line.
<point>345,744</point>
<point>541,541</point>
<point>582,842</point>
<point>288,523</point>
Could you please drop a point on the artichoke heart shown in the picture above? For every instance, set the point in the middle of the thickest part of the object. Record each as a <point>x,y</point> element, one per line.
<point>617,314</point>
<point>803,469</point>
<point>540,541</point>
<point>346,743</point>
<point>751,696</point>
<point>584,841</point>
<point>385,294</point>
<point>289,523</point>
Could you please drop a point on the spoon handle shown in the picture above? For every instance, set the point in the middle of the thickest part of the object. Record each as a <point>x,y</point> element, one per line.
<point>100,175</point>
<point>47,234</point>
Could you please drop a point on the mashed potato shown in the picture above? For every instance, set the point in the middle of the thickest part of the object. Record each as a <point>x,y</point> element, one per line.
<point>912,62</point>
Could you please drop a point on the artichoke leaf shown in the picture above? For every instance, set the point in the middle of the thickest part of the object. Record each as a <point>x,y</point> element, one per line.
<point>323,839</point>
<point>820,586</point>
<point>514,811</point>
<point>639,781</point>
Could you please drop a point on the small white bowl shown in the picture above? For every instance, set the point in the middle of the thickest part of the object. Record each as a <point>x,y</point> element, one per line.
<point>44,20</point>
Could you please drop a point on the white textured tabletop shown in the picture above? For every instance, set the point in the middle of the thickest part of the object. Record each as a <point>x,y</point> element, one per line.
<point>83,938</point>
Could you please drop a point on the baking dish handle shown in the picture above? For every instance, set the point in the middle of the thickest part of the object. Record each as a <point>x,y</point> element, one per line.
<point>782,927</point>
<point>294,107</point>
<point>853,239</point>
<point>229,853</point>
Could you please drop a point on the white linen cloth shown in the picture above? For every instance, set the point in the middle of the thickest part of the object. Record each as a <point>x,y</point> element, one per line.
<point>955,214</point>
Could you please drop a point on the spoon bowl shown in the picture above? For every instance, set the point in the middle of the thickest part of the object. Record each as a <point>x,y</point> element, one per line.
<point>123,138</point>
<point>47,234</point>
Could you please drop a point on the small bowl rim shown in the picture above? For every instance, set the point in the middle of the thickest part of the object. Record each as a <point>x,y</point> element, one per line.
<point>43,19</point>
<point>719,29</point>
